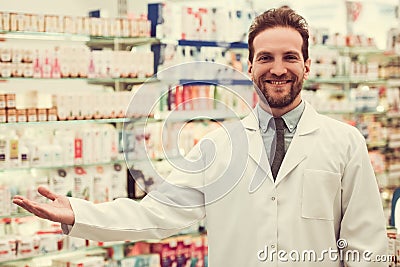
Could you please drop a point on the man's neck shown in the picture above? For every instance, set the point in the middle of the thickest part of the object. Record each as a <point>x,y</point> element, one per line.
<point>279,112</point>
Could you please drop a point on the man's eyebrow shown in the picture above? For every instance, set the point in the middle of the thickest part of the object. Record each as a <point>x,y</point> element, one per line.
<point>292,52</point>
<point>263,53</point>
<point>289,52</point>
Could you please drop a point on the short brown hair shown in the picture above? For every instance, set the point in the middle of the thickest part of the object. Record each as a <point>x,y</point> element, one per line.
<point>280,17</point>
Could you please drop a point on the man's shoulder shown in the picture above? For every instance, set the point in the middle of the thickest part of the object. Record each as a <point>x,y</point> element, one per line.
<point>339,128</point>
<point>336,122</point>
<point>230,127</point>
<point>227,132</point>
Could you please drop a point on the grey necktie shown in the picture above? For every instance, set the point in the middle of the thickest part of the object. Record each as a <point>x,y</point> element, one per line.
<point>279,140</point>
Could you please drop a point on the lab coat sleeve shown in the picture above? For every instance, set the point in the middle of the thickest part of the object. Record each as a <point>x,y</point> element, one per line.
<point>173,206</point>
<point>126,219</point>
<point>363,224</point>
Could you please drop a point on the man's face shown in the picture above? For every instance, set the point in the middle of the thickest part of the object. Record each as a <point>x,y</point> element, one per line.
<point>278,68</point>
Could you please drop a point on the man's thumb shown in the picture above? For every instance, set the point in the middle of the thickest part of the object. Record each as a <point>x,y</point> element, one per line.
<point>44,191</point>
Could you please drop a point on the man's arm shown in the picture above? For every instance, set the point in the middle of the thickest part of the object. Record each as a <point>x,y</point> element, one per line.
<point>177,203</point>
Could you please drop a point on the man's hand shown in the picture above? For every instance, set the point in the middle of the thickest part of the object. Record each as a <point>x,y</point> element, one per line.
<point>58,210</point>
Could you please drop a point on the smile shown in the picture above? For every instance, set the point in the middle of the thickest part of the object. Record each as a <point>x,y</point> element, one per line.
<point>278,82</point>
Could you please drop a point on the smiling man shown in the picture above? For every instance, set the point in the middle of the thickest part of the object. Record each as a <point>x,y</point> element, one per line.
<point>278,68</point>
<point>322,193</point>
<point>297,182</point>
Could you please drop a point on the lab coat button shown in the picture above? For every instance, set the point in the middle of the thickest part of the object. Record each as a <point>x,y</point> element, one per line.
<point>273,198</point>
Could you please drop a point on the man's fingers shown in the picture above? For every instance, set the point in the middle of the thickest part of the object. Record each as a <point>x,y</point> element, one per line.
<point>35,208</point>
<point>44,191</point>
<point>17,197</point>
<point>24,204</point>
<point>20,201</point>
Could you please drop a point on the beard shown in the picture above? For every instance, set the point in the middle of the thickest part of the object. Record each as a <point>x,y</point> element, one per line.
<point>281,102</point>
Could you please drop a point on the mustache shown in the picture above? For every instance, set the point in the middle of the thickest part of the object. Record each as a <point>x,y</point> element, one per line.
<point>276,77</point>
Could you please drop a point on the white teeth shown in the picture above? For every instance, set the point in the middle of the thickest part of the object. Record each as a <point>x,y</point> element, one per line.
<point>278,82</point>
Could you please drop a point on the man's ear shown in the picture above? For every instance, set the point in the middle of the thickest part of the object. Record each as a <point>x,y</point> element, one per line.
<point>249,69</point>
<point>307,65</point>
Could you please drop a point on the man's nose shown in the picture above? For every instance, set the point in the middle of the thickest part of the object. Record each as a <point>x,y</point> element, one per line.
<point>278,68</point>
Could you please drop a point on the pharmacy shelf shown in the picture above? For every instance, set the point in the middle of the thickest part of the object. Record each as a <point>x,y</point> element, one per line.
<point>87,251</point>
<point>196,115</point>
<point>89,80</point>
<point>244,45</point>
<point>110,41</point>
<point>16,215</point>
<point>13,169</point>
<point>228,45</point>
<point>393,82</point>
<point>346,80</point>
<point>100,249</point>
<point>112,120</point>
<point>393,114</point>
<point>88,39</point>
<point>352,112</point>
<point>178,115</point>
<point>112,81</point>
<point>377,144</point>
<point>351,49</point>
<point>45,36</point>
<point>4,79</point>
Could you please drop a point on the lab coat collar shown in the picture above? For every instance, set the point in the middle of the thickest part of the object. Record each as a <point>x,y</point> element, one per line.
<point>305,126</point>
<point>298,149</point>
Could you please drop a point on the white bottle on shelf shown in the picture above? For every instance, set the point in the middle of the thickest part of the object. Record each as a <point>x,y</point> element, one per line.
<point>13,141</point>
<point>4,150</point>
<point>37,67</point>
<point>55,69</point>
<point>57,154</point>
<point>24,155</point>
<point>65,138</point>
<point>47,67</point>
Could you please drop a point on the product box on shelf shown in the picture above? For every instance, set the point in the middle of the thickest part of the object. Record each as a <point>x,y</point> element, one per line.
<point>118,174</point>
<point>5,200</point>
<point>79,261</point>
<point>76,61</point>
<point>192,22</point>
<point>138,183</point>
<point>393,40</point>
<point>61,181</point>
<point>8,248</point>
<point>102,184</point>
<point>184,250</point>
<point>198,251</point>
<point>28,246</point>
<point>145,260</point>
<point>49,240</point>
<point>167,251</point>
<point>3,116</point>
<point>95,26</point>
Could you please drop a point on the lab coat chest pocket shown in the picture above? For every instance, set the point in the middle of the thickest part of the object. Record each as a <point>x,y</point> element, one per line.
<point>319,190</point>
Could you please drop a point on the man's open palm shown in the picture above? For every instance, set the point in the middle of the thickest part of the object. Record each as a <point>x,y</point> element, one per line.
<point>58,210</point>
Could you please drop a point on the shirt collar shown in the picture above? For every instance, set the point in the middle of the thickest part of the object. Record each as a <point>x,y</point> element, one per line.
<point>290,118</point>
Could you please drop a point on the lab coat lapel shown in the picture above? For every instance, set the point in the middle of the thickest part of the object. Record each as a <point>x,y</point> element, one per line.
<point>257,153</point>
<point>302,142</point>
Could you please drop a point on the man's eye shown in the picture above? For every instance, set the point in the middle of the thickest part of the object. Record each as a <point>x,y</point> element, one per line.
<point>291,57</point>
<point>264,58</point>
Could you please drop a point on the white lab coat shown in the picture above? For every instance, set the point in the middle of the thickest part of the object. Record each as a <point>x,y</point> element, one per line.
<point>325,190</point>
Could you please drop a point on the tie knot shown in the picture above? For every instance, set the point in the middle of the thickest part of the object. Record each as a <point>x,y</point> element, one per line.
<point>279,123</point>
